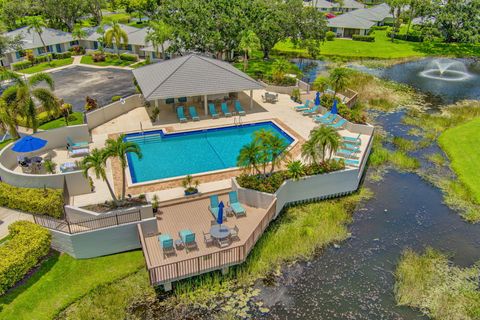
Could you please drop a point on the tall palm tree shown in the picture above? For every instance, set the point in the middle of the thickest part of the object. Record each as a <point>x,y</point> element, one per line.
<point>96,161</point>
<point>19,98</point>
<point>248,157</point>
<point>7,121</point>
<point>325,137</point>
<point>101,31</point>
<point>339,79</point>
<point>78,33</point>
<point>157,34</point>
<point>248,42</point>
<point>277,150</point>
<point>118,148</point>
<point>37,24</point>
<point>116,34</point>
<point>310,151</point>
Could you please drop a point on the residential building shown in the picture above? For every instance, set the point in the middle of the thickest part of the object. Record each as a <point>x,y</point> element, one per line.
<point>330,6</point>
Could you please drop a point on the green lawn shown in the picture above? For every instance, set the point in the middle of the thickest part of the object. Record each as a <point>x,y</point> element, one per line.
<point>108,62</point>
<point>462,145</point>
<point>383,48</point>
<point>4,143</point>
<point>47,65</point>
<point>120,17</point>
<point>74,119</point>
<point>62,280</point>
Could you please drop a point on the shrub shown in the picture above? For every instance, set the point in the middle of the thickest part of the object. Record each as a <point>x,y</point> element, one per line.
<point>116,98</point>
<point>330,35</point>
<point>42,117</point>
<point>42,58</point>
<point>21,65</point>
<point>406,37</point>
<point>34,200</point>
<point>28,244</point>
<point>77,50</point>
<point>91,104</point>
<point>29,55</point>
<point>98,56</point>
<point>129,57</point>
<point>357,37</point>
<point>61,55</point>
<point>379,28</point>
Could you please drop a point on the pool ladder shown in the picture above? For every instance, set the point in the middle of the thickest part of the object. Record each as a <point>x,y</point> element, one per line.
<point>237,121</point>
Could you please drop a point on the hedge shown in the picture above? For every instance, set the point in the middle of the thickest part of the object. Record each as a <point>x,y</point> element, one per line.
<point>330,36</point>
<point>21,65</point>
<point>44,58</point>
<point>42,117</point>
<point>358,37</point>
<point>61,55</point>
<point>406,37</point>
<point>34,200</point>
<point>128,57</point>
<point>28,244</point>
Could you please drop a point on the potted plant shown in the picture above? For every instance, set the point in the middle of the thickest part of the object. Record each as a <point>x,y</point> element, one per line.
<point>190,185</point>
<point>155,203</point>
<point>296,95</point>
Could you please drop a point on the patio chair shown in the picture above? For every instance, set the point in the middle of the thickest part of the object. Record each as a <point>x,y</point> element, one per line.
<point>354,140</point>
<point>330,120</point>
<point>68,166</point>
<point>239,108</point>
<point>312,110</point>
<point>78,152</point>
<point>350,162</point>
<point>225,110</point>
<point>234,233</point>
<point>188,239</point>
<point>222,243</point>
<point>166,243</point>
<point>212,110</point>
<point>181,114</point>
<point>193,113</point>
<point>235,205</point>
<point>303,107</point>
<point>207,237</point>
<point>322,118</point>
<point>76,145</point>
<point>338,125</point>
<point>347,153</point>
<point>213,207</point>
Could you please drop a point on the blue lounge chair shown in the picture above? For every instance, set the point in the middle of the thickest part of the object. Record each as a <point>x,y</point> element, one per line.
<point>235,205</point>
<point>193,113</point>
<point>166,243</point>
<point>225,110</point>
<point>305,106</point>
<point>239,108</point>
<point>330,120</point>
<point>350,162</point>
<point>350,146</point>
<point>214,205</point>
<point>181,114</point>
<point>77,145</point>
<point>213,111</point>
<point>347,153</point>
<point>339,124</point>
<point>188,239</point>
<point>312,110</point>
<point>354,140</point>
<point>322,118</point>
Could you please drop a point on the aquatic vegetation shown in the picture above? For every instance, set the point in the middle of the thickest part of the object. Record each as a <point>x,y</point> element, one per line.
<point>399,159</point>
<point>437,159</point>
<point>405,145</point>
<point>429,282</point>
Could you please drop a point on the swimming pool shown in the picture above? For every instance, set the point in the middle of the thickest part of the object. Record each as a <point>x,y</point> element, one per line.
<point>168,155</point>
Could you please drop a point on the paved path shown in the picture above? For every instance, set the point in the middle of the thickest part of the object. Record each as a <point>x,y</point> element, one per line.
<point>9,216</point>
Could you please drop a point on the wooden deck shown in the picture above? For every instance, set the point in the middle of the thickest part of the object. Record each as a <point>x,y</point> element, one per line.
<point>195,215</point>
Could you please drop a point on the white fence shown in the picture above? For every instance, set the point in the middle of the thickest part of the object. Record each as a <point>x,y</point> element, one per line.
<point>111,111</point>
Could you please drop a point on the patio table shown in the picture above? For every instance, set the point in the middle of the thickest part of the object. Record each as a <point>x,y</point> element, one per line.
<point>219,231</point>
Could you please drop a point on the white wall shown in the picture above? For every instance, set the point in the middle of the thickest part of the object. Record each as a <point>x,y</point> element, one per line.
<point>102,115</point>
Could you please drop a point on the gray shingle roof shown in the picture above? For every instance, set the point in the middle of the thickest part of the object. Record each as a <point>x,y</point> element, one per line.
<point>136,36</point>
<point>376,13</point>
<point>347,4</point>
<point>191,75</point>
<point>348,20</point>
<point>321,4</point>
<point>31,40</point>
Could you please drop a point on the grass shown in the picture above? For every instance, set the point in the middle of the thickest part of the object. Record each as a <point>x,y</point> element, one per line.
<point>121,17</point>
<point>258,67</point>
<point>383,48</point>
<point>86,59</point>
<point>429,282</point>
<point>62,280</point>
<point>399,159</point>
<point>5,143</point>
<point>437,159</point>
<point>47,65</point>
<point>74,119</point>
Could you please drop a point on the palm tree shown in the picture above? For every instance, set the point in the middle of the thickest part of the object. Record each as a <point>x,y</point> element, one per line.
<point>19,98</point>
<point>339,79</point>
<point>119,148</point>
<point>295,169</point>
<point>248,42</point>
<point>96,161</point>
<point>157,34</point>
<point>101,31</point>
<point>310,151</point>
<point>36,23</point>
<point>116,34</point>
<point>325,137</point>
<point>279,68</point>
<point>7,121</point>
<point>277,150</point>
<point>248,157</point>
<point>78,33</point>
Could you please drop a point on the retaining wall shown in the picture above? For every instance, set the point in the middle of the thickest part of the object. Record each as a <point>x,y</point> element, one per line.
<point>111,111</point>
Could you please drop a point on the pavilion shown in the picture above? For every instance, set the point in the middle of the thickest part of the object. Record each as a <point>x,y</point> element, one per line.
<point>192,78</point>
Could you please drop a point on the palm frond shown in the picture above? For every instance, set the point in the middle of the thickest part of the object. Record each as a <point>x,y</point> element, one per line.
<point>39,77</point>
<point>48,100</point>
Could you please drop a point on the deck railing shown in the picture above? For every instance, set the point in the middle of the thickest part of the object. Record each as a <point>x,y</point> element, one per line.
<point>78,226</point>
<point>205,263</point>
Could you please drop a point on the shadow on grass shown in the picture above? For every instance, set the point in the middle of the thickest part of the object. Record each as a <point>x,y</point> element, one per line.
<point>448,49</point>
<point>30,279</point>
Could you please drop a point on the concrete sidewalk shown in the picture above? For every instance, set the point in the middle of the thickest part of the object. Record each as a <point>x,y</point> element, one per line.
<point>9,216</point>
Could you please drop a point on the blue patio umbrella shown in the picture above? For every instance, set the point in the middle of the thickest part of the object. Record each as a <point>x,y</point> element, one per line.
<point>317,99</point>
<point>334,109</point>
<point>29,144</point>
<point>220,213</point>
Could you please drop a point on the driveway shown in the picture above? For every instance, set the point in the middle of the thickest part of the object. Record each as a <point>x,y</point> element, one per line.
<point>75,83</point>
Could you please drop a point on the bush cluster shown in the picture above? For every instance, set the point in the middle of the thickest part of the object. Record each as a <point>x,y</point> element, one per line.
<point>129,57</point>
<point>42,117</point>
<point>61,55</point>
<point>116,98</point>
<point>379,28</point>
<point>77,50</point>
<point>330,35</point>
<point>43,58</point>
<point>28,244</point>
<point>354,114</point>
<point>406,37</point>
<point>272,182</point>
<point>21,65</point>
<point>98,56</point>
<point>39,201</point>
<point>357,37</point>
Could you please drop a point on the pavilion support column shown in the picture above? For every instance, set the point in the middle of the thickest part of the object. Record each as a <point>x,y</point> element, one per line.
<point>251,99</point>
<point>205,104</point>
<point>156,103</point>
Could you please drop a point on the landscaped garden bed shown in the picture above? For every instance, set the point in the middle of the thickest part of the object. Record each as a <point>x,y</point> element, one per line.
<point>109,59</point>
<point>108,206</point>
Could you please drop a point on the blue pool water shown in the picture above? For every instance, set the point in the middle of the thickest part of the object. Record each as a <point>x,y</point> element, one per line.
<point>178,154</point>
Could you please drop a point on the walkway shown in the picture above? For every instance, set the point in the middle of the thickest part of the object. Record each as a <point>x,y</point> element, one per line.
<point>9,216</point>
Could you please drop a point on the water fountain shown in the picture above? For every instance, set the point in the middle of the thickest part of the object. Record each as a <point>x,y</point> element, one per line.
<point>446,70</point>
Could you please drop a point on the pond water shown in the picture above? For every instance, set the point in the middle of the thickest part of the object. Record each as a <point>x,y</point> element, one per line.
<point>310,68</point>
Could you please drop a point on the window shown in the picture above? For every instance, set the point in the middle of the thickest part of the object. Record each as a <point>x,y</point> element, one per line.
<point>95,45</point>
<point>18,55</point>
<point>74,43</point>
<point>129,47</point>
<point>59,47</point>
<point>40,51</point>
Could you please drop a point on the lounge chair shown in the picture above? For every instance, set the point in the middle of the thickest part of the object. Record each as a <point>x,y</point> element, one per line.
<point>225,110</point>
<point>330,120</point>
<point>68,166</point>
<point>347,153</point>
<point>338,125</point>
<point>235,205</point>
<point>207,237</point>
<point>214,207</point>
<point>303,107</point>
<point>78,152</point>
<point>239,108</point>
<point>188,239</point>
<point>354,140</point>
<point>312,110</point>
<point>322,118</point>
<point>213,111</point>
<point>350,146</point>
<point>350,162</point>
<point>181,114</point>
<point>193,113</point>
<point>77,145</point>
<point>166,243</point>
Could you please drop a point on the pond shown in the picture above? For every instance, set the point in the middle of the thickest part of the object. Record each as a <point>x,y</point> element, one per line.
<point>310,68</point>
